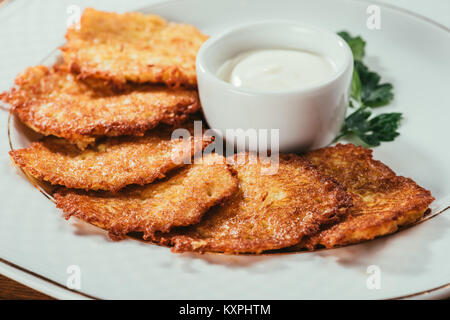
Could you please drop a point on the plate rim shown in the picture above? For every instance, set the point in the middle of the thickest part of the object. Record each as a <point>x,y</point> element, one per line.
<point>40,283</point>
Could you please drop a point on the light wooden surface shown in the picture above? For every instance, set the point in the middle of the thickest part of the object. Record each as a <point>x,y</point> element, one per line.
<point>12,290</point>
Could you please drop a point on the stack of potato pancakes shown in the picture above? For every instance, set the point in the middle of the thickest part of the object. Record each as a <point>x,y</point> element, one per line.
<point>107,113</point>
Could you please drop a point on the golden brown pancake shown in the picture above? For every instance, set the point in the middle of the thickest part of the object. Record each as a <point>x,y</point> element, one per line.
<point>54,102</point>
<point>382,201</point>
<point>267,212</point>
<point>179,200</point>
<point>110,165</point>
<point>133,47</point>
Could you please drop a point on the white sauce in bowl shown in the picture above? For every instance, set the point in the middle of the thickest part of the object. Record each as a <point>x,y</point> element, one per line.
<point>276,69</point>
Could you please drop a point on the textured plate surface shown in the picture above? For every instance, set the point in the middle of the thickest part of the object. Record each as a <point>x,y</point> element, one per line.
<point>409,52</point>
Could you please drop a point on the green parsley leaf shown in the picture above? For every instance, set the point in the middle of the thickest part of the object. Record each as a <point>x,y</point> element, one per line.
<point>367,91</point>
<point>373,94</point>
<point>356,44</point>
<point>371,132</point>
<point>355,88</point>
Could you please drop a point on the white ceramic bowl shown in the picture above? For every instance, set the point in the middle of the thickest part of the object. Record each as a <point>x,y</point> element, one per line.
<point>308,117</point>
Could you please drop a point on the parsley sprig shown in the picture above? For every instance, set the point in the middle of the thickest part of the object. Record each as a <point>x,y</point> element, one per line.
<point>367,92</point>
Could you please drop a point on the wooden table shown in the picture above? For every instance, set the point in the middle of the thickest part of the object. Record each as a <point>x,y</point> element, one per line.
<point>12,290</point>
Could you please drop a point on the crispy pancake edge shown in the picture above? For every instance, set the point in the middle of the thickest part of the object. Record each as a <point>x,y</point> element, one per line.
<point>182,243</point>
<point>71,200</point>
<point>19,158</point>
<point>173,75</point>
<point>23,108</point>
<point>372,227</point>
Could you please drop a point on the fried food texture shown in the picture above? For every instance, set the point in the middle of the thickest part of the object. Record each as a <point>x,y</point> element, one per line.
<point>267,212</point>
<point>179,200</point>
<point>133,47</point>
<point>111,164</point>
<point>54,102</point>
<point>382,201</point>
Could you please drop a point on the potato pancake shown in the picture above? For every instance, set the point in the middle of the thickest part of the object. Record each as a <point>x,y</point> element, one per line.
<point>382,201</point>
<point>267,212</point>
<point>110,165</point>
<point>133,47</point>
<point>178,200</point>
<point>54,102</point>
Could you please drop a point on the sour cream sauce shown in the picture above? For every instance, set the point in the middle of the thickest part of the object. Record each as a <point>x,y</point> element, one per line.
<point>276,69</point>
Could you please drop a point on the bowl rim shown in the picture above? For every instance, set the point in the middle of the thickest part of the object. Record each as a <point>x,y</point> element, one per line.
<point>203,68</point>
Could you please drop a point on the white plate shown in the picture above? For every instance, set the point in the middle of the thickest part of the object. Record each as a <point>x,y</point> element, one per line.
<point>408,51</point>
